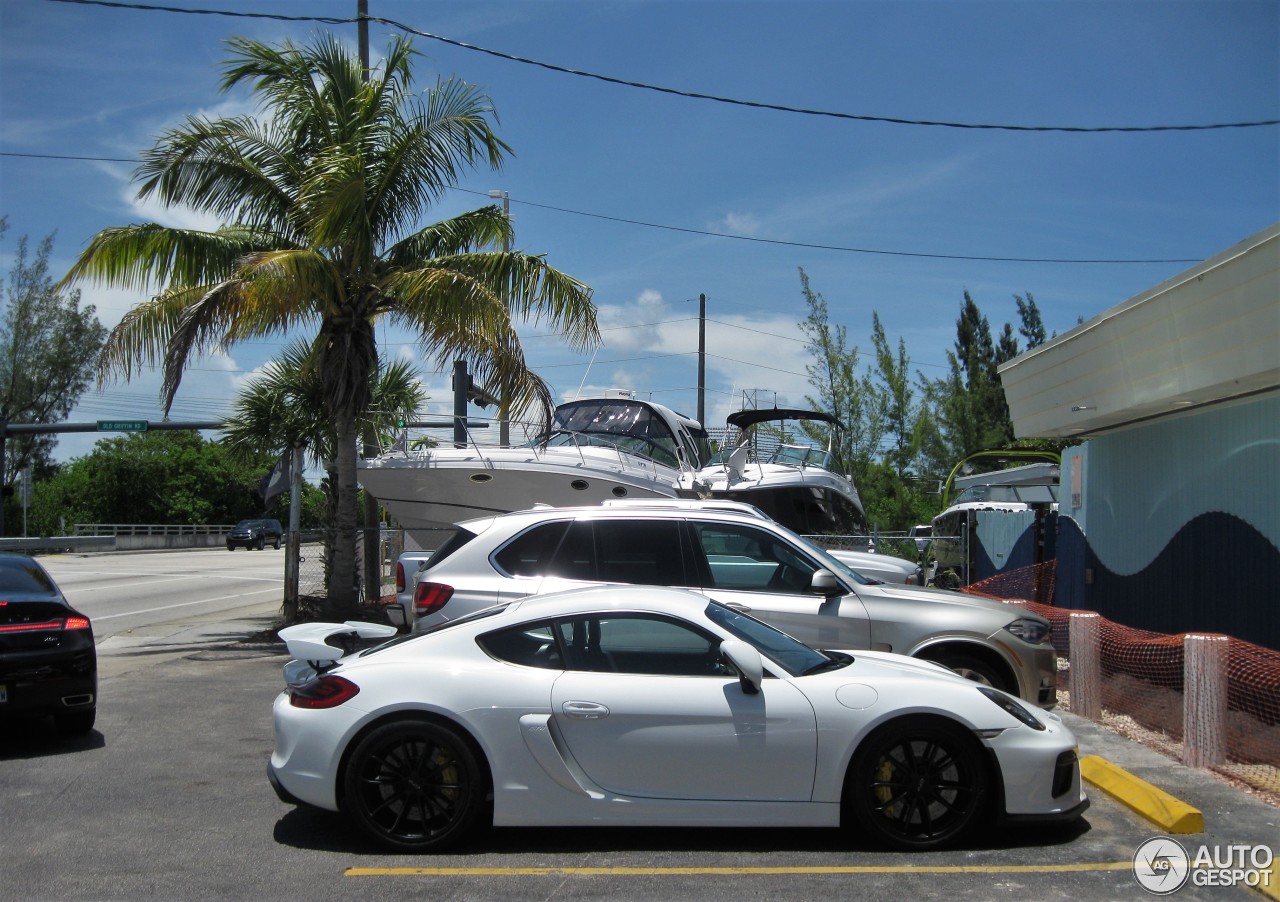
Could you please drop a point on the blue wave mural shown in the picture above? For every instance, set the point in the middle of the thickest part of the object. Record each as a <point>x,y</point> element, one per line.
<point>1217,574</point>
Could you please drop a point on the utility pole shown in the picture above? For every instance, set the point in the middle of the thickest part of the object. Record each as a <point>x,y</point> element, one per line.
<point>371,565</point>
<point>702,360</point>
<point>504,407</point>
<point>362,26</point>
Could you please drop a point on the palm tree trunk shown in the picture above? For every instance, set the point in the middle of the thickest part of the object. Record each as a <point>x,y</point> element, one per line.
<point>342,594</point>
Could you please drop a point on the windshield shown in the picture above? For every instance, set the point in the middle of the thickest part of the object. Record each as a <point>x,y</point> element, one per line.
<point>19,574</point>
<point>793,656</point>
<point>1009,494</point>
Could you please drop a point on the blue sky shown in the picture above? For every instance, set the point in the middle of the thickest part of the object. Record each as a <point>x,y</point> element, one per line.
<point>652,198</point>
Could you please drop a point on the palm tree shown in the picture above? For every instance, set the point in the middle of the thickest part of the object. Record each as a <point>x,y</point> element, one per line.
<point>284,408</point>
<point>322,196</point>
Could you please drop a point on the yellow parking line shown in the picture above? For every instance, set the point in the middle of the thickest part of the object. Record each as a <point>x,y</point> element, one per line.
<point>709,871</point>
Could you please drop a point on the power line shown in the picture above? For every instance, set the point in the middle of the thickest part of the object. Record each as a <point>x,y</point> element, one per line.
<point>978,258</point>
<point>692,95</point>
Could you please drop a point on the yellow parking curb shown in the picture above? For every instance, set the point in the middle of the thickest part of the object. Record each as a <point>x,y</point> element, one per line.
<point>1171,814</point>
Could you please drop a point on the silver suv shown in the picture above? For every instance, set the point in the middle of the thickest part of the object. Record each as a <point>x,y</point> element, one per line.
<point>741,558</point>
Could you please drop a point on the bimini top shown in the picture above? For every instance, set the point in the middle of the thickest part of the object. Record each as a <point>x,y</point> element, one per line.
<point>745,418</point>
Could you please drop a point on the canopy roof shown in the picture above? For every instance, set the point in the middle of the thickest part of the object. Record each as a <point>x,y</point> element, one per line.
<point>745,418</point>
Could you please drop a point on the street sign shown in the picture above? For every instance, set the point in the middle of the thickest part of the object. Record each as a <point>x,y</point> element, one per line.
<point>122,425</point>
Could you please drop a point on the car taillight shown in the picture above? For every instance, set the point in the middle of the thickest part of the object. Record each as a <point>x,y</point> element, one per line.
<point>323,692</point>
<point>76,623</point>
<point>399,577</point>
<point>54,624</point>
<point>430,597</point>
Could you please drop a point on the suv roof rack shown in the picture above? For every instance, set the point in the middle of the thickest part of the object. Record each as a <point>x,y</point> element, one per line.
<point>697,504</point>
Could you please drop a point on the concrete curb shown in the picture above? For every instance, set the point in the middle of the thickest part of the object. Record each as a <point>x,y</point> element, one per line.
<point>1173,815</point>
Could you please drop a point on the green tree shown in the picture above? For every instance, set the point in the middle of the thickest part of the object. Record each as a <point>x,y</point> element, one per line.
<point>48,345</point>
<point>284,408</point>
<point>841,391</point>
<point>168,477</point>
<point>1032,327</point>
<point>893,493</point>
<point>969,402</point>
<point>322,195</point>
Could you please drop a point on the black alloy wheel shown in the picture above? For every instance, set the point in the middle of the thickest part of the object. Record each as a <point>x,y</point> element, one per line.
<point>918,783</point>
<point>414,786</point>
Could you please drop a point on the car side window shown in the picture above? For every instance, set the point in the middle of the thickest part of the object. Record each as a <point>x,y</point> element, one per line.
<point>642,552</point>
<point>576,556</point>
<point>528,646</point>
<point>531,552</point>
<point>753,560</point>
<point>639,643</point>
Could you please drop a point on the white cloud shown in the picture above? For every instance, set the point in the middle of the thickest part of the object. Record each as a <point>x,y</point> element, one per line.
<point>640,324</point>
<point>740,224</point>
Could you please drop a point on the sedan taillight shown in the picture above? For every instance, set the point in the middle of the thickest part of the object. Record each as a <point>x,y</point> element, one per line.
<point>323,692</point>
<point>430,597</point>
<point>56,623</point>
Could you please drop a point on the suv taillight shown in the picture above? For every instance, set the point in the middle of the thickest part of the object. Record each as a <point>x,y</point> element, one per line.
<point>399,577</point>
<point>430,597</point>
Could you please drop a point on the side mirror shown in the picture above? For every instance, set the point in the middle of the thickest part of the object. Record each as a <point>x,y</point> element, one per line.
<point>747,661</point>
<point>825,583</point>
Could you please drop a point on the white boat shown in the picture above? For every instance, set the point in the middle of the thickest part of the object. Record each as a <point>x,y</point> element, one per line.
<point>597,448</point>
<point>798,485</point>
<point>1000,521</point>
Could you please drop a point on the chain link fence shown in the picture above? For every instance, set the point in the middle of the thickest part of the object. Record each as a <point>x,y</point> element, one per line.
<point>311,554</point>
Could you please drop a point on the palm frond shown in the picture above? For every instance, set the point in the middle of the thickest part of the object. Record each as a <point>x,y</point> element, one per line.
<point>136,256</point>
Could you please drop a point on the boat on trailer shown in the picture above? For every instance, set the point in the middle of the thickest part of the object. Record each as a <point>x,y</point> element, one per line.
<point>599,448</point>
<point>798,485</point>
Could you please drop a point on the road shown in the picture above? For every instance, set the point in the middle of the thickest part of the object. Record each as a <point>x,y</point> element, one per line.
<point>165,602</point>
<point>125,592</point>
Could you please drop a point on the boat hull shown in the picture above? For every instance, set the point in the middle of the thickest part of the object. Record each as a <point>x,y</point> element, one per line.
<point>443,487</point>
<point>809,501</point>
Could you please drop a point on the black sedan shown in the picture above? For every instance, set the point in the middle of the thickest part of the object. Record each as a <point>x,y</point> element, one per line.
<point>47,660</point>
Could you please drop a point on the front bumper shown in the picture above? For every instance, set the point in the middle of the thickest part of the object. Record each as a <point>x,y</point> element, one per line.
<point>1036,667</point>
<point>1040,772</point>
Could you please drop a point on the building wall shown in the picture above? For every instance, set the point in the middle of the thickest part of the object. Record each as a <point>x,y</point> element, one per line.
<point>1174,525</point>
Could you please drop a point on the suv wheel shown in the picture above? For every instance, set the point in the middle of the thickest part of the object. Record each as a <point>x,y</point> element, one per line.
<point>972,668</point>
<point>260,544</point>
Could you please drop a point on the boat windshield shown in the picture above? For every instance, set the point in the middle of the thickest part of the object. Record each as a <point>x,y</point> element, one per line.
<point>802,456</point>
<point>1009,494</point>
<point>629,425</point>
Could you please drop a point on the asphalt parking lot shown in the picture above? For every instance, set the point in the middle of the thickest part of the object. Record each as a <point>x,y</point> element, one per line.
<point>168,798</point>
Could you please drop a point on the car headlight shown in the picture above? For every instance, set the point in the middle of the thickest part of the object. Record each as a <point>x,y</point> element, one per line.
<point>1033,632</point>
<point>1011,706</point>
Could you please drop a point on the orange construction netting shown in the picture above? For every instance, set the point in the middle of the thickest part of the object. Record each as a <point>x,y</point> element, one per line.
<point>1143,677</point>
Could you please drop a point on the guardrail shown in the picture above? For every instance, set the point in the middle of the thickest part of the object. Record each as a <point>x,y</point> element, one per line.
<point>152,529</point>
<point>59,543</point>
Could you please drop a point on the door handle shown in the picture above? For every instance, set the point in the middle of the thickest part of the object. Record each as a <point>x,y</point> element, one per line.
<point>740,608</point>
<point>584,710</point>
